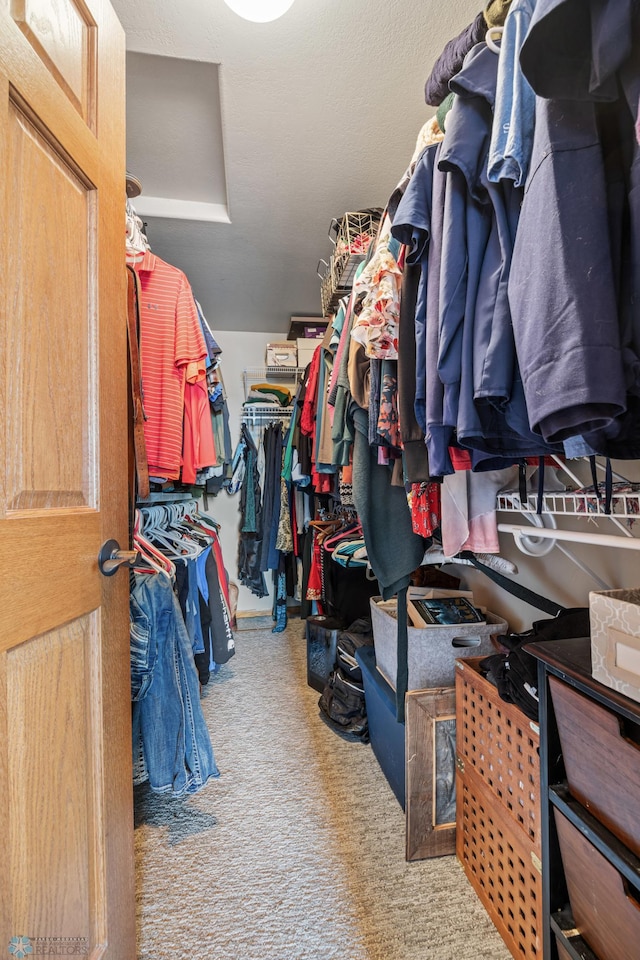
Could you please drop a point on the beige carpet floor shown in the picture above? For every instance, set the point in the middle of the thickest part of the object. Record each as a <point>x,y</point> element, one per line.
<point>297,851</point>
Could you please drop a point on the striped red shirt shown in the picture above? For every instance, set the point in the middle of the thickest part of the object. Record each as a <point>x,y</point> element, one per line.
<point>172,352</point>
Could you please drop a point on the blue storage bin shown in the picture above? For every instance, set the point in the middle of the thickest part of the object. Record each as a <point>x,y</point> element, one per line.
<point>387,735</point>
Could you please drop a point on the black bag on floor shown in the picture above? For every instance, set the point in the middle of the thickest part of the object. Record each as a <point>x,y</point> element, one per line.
<point>359,634</point>
<point>342,707</point>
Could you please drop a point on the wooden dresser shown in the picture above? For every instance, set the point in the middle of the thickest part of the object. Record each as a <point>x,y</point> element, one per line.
<point>590,785</point>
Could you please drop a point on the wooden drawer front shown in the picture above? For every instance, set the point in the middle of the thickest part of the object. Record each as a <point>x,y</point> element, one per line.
<point>563,953</point>
<point>501,865</point>
<point>601,762</point>
<point>605,909</point>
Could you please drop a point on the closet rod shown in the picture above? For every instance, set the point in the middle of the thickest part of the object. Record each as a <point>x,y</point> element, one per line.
<point>573,536</point>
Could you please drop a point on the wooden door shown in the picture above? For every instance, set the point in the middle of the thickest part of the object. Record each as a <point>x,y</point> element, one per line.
<point>65,766</point>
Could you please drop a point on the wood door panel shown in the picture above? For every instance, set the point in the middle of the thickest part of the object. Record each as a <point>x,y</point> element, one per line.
<point>51,375</point>
<point>52,884</point>
<point>62,33</point>
<point>66,813</point>
<point>52,573</point>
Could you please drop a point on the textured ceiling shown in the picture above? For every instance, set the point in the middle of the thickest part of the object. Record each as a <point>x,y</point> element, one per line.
<point>320,112</point>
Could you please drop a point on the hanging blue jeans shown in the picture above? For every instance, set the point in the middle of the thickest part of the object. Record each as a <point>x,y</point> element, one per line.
<point>171,744</point>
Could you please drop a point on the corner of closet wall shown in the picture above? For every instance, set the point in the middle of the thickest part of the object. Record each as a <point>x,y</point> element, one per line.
<point>241,349</point>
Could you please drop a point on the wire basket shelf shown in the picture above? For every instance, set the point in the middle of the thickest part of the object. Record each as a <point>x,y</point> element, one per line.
<point>351,236</point>
<point>575,503</point>
<point>261,413</point>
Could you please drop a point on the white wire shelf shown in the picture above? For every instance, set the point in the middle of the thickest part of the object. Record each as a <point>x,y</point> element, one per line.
<point>574,503</point>
<point>259,413</point>
<point>284,375</point>
<point>274,373</point>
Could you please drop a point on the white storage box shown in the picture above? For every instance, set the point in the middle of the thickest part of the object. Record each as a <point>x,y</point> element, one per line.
<point>432,651</point>
<point>282,354</point>
<point>306,349</point>
<point>615,640</point>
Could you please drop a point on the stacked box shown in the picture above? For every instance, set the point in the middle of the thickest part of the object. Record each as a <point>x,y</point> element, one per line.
<point>615,639</point>
<point>282,354</point>
<point>306,349</point>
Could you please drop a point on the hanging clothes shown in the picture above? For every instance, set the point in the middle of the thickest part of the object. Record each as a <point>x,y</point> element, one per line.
<point>173,353</point>
<point>171,744</point>
<point>584,141</point>
<point>251,523</point>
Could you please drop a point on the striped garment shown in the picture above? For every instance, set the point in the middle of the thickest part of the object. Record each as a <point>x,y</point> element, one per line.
<point>172,351</point>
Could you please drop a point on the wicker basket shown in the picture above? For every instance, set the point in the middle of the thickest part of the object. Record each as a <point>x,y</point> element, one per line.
<point>498,809</point>
<point>351,236</point>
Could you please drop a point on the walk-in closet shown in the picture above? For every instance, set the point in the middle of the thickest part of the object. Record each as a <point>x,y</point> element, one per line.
<point>320,484</point>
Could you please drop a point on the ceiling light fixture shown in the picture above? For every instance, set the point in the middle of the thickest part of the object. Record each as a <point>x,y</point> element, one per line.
<point>260,11</point>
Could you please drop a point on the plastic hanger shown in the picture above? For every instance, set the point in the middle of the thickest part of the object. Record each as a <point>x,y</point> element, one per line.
<point>136,242</point>
<point>150,556</point>
<point>157,530</point>
<point>492,36</point>
<point>351,532</point>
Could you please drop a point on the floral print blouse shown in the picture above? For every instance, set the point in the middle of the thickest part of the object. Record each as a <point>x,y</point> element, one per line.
<point>376,328</point>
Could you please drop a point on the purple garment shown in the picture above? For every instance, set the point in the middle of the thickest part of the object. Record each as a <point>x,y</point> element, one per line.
<point>450,61</point>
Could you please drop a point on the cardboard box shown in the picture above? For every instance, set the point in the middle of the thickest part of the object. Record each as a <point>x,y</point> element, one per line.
<point>306,349</point>
<point>283,354</point>
<point>615,640</point>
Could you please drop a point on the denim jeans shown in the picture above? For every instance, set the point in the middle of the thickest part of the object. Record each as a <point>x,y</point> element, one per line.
<point>171,744</point>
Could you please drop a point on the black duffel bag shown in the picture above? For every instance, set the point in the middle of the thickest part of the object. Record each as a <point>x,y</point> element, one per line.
<point>515,673</point>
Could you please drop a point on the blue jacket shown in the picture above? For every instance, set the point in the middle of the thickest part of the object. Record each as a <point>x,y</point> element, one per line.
<point>574,299</point>
<point>477,359</point>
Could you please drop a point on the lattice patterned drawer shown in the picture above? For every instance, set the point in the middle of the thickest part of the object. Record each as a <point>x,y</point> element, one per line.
<point>502,867</point>
<point>501,744</point>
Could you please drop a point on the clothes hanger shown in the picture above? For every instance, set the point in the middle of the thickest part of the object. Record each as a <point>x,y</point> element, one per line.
<point>179,545</point>
<point>197,526</point>
<point>136,241</point>
<point>158,531</point>
<point>204,520</point>
<point>493,34</point>
<point>330,523</point>
<point>323,528</point>
<point>156,560</point>
<point>352,532</point>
